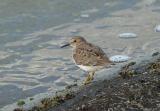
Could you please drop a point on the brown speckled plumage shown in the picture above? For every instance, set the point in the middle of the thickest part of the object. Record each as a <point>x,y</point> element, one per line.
<point>88,56</point>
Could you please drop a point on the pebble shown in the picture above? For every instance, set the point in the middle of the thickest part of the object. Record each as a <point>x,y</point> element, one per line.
<point>127,35</point>
<point>119,58</point>
<point>85,15</point>
<point>157,28</point>
<point>73,30</point>
<point>77,20</point>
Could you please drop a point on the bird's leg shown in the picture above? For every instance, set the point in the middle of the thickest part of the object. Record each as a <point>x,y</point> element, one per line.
<point>92,75</point>
<point>89,78</point>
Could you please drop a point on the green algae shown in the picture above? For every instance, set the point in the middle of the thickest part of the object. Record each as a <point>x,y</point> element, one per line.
<point>20,102</point>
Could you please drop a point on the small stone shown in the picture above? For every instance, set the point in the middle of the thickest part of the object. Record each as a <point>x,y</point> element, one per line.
<point>119,58</point>
<point>127,35</point>
<point>157,28</point>
<point>73,30</point>
<point>85,15</point>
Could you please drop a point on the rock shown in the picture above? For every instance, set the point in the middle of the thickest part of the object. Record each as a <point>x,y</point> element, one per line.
<point>127,35</point>
<point>84,15</point>
<point>155,54</point>
<point>74,31</point>
<point>157,28</point>
<point>119,58</point>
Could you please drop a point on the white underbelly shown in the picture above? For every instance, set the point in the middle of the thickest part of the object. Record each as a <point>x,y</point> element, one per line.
<point>90,68</point>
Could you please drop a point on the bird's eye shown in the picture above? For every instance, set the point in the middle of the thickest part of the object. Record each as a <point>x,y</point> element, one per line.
<point>74,41</point>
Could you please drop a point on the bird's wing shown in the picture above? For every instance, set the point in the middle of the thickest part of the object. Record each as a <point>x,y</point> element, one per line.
<point>90,55</point>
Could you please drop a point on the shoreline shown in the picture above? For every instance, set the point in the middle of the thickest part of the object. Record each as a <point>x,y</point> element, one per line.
<point>136,79</point>
<point>50,69</point>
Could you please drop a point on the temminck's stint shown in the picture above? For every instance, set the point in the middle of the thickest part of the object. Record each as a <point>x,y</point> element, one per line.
<point>88,56</point>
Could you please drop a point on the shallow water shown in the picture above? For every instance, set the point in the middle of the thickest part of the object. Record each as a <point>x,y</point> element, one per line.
<point>31,32</point>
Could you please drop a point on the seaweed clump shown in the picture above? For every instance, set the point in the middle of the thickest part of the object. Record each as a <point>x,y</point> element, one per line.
<point>58,99</point>
<point>127,72</point>
<point>139,92</point>
<point>154,68</point>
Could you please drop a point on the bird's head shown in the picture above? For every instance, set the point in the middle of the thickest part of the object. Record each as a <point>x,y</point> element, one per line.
<point>75,41</point>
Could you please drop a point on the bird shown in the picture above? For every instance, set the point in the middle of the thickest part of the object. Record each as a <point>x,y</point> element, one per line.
<point>88,57</point>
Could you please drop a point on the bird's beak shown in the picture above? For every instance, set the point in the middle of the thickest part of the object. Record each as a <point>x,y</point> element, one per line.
<point>65,45</point>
